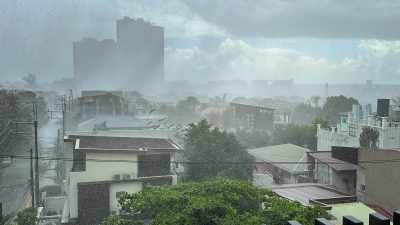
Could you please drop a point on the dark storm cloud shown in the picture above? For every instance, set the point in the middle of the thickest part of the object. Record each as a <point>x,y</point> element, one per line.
<point>354,19</point>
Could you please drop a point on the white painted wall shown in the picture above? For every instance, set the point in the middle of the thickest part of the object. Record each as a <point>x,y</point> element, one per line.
<point>129,187</point>
<point>99,171</point>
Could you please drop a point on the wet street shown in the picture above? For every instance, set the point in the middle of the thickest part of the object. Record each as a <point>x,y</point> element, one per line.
<point>14,179</point>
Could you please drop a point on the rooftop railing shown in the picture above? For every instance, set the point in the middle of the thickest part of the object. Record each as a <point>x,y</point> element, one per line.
<point>374,219</point>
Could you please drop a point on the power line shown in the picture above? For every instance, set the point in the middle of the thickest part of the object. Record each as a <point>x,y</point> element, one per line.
<point>192,162</point>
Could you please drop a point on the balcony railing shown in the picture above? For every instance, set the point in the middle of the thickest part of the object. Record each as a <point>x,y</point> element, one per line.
<point>374,219</point>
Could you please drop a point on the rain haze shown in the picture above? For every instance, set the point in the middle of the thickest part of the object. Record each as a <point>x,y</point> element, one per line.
<point>126,111</point>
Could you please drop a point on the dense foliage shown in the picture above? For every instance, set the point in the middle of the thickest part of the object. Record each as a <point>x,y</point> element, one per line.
<point>301,135</point>
<point>216,202</point>
<point>18,111</point>
<point>26,217</point>
<point>212,153</point>
<point>305,113</point>
<point>254,138</point>
<point>369,137</point>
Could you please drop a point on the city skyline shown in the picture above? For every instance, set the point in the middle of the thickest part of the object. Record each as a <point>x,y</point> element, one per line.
<point>200,45</point>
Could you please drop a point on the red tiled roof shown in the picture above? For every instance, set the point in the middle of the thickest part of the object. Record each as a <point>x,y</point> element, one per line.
<point>326,158</point>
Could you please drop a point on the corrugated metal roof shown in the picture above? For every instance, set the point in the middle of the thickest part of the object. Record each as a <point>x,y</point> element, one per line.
<point>293,158</point>
<point>306,192</point>
<point>336,164</point>
<point>356,209</point>
<point>113,122</point>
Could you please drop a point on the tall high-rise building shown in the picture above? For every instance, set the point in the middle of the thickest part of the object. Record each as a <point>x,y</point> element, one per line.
<point>141,50</point>
<point>135,60</point>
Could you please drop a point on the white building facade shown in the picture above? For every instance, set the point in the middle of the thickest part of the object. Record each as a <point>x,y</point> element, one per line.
<point>104,168</point>
<point>348,130</point>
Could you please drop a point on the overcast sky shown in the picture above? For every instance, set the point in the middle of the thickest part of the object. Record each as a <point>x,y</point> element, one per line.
<point>314,41</point>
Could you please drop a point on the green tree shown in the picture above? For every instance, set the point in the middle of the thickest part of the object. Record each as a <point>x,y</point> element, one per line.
<point>369,137</point>
<point>305,113</point>
<point>214,202</point>
<point>26,217</point>
<point>118,220</point>
<point>212,153</point>
<point>335,105</point>
<point>188,106</point>
<point>30,80</point>
<point>254,138</point>
<point>301,135</point>
<point>16,110</point>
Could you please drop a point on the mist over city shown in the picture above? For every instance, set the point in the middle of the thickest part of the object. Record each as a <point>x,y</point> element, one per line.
<point>199,112</point>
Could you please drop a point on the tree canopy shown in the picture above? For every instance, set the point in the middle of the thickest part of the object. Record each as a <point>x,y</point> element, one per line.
<point>301,135</point>
<point>305,113</point>
<point>369,137</point>
<point>219,201</point>
<point>337,104</point>
<point>26,217</point>
<point>212,153</point>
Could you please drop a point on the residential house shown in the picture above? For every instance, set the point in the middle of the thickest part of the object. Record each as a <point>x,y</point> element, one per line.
<point>93,104</point>
<point>253,116</point>
<point>284,162</point>
<point>328,170</point>
<point>347,132</point>
<point>106,167</point>
<point>337,203</point>
<point>113,123</point>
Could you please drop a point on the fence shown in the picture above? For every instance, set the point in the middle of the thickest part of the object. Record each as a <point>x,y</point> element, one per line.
<point>374,219</point>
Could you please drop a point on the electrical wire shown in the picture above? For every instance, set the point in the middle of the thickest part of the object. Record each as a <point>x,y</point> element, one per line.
<point>27,157</point>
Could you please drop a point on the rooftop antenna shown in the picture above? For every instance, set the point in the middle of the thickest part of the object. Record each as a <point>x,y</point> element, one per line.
<point>146,18</point>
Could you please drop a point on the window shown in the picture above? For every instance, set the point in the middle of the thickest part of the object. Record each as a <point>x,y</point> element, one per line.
<point>118,194</point>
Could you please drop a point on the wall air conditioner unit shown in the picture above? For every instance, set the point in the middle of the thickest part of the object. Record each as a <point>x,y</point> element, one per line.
<point>127,176</point>
<point>117,177</point>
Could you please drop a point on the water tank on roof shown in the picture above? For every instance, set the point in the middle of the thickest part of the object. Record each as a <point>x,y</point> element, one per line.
<point>396,115</point>
<point>383,107</point>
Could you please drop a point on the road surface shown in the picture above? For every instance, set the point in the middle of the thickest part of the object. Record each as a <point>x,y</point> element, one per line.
<point>14,179</point>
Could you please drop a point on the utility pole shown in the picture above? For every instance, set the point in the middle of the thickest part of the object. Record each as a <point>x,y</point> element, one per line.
<point>35,125</point>
<point>58,155</point>
<point>32,181</point>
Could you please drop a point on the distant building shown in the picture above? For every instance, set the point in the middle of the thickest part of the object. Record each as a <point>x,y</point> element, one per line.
<point>100,104</point>
<point>283,162</point>
<point>135,60</point>
<point>113,123</point>
<point>347,132</point>
<point>141,51</point>
<point>104,168</point>
<point>253,116</point>
<point>93,59</point>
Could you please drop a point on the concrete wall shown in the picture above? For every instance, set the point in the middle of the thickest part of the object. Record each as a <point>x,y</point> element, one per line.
<point>326,139</point>
<point>382,180</point>
<point>130,187</point>
<point>54,204</point>
<point>99,171</point>
<point>326,175</point>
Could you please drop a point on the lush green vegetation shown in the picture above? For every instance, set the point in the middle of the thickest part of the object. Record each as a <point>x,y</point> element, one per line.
<point>26,217</point>
<point>369,137</point>
<point>219,201</point>
<point>18,111</point>
<point>213,153</point>
<point>305,113</point>
<point>301,135</point>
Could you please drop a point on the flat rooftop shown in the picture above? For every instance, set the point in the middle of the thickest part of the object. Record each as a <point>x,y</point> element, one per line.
<point>303,193</point>
<point>123,143</point>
